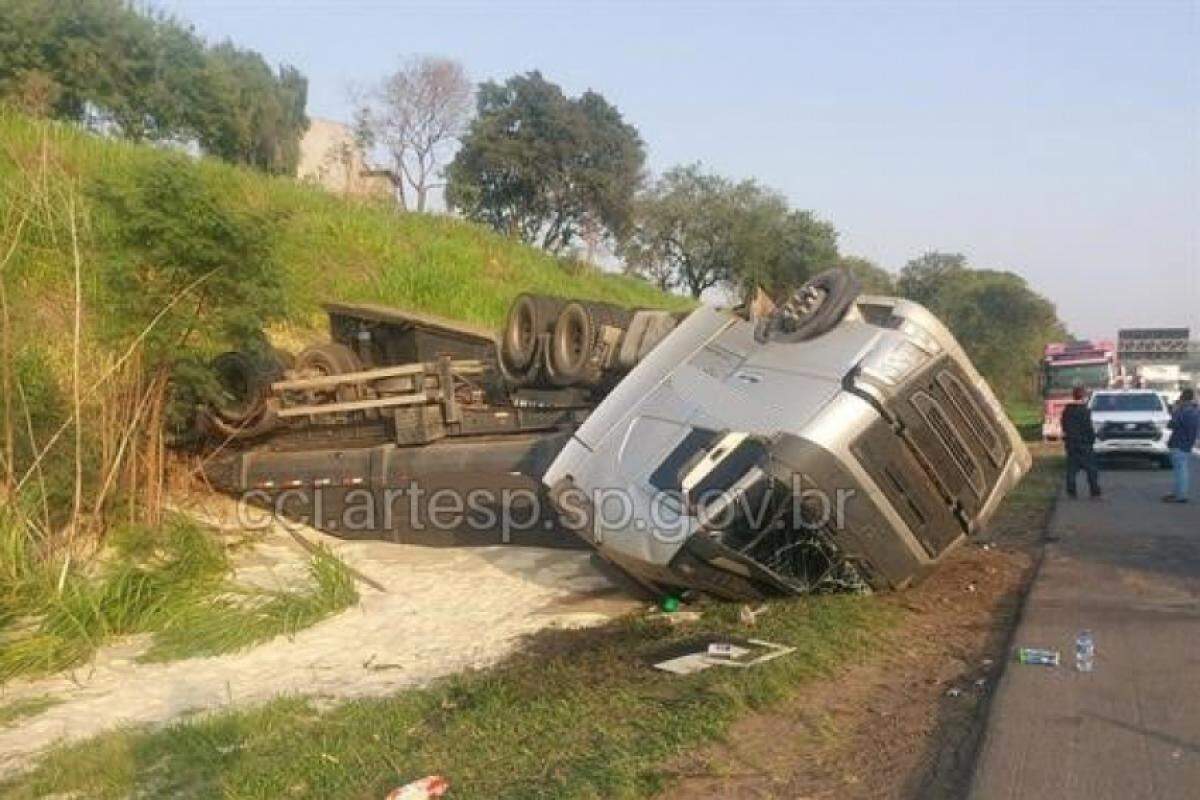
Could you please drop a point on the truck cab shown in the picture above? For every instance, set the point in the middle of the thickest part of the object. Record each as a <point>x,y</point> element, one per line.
<point>741,466</point>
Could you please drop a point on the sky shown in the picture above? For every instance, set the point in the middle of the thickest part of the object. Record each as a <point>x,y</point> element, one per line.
<point>1060,141</point>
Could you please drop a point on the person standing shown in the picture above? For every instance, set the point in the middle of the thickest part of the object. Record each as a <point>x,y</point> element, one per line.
<point>1079,436</point>
<point>1184,425</point>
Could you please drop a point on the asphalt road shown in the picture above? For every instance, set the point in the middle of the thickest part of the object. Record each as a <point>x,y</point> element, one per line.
<point>1128,568</point>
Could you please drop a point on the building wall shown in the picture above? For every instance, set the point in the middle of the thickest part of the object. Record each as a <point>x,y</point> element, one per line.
<point>330,158</point>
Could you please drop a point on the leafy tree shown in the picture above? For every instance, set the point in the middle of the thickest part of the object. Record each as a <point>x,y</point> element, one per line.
<point>684,231</point>
<point>185,240</point>
<point>874,279</point>
<point>541,166</point>
<point>999,320</point>
<point>923,279</point>
<point>695,230</point>
<point>1003,325</point>
<point>145,76</point>
<point>248,114</point>
<point>416,114</point>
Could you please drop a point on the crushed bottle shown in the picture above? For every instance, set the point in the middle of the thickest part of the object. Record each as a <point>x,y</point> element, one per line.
<point>1085,651</point>
<point>1039,656</point>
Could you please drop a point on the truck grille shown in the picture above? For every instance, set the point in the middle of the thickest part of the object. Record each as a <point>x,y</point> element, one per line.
<point>910,489</point>
<point>938,455</point>
<point>968,407</point>
<point>1128,430</point>
<point>935,415</point>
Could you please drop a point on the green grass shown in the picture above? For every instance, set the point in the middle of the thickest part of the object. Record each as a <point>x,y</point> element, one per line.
<point>18,710</point>
<point>171,583</point>
<point>332,248</point>
<point>1037,491</point>
<point>1027,417</point>
<point>580,714</point>
<point>241,618</point>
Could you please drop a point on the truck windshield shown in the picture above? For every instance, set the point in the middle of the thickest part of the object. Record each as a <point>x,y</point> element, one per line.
<point>1142,401</point>
<point>1064,378</point>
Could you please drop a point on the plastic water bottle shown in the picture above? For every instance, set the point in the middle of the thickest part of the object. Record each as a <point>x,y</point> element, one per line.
<point>1085,651</point>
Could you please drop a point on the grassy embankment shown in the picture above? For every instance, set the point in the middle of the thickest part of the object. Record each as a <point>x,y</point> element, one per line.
<point>578,714</point>
<point>67,501</point>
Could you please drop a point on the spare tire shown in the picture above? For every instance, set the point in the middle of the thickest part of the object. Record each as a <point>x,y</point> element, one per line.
<point>813,309</point>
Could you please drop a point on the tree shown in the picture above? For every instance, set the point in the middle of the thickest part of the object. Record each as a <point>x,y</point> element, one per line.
<point>179,234</point>
<point>684,231</point>
<point>873,278</point>
<point>922,279</point>
<point>248,113</point>
<point>416,114</point>
<point>144,76</point>
<point>1002,324</point>
<point>693,230</point>
<point>541,166</point>
<point>998,319</point>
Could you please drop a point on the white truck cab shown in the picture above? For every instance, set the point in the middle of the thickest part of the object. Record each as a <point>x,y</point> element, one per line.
<point>739,461</point>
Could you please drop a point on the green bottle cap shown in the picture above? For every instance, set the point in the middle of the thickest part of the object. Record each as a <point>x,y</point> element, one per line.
<point>670,603</point>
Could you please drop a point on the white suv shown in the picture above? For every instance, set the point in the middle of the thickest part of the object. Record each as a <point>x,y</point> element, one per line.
<point>1131,422</point>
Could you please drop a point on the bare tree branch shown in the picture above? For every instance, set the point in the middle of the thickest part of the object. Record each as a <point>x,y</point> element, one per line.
<point>416,115</point>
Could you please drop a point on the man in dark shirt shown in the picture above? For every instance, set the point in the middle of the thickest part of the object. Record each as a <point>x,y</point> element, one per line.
<point>1079,436</point>
<point>1184,425</point>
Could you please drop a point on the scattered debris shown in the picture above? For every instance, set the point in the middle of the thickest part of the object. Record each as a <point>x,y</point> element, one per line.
<point>1038,656</point>
<point>670,604</point>
<point>738,653</point>
<point>980,683</point>
<point>423,789</point>
<point>953,691</point>
<point>1085,652</point>
<point>726,650</point>
<point>748,616</point>
<point>677,617</point>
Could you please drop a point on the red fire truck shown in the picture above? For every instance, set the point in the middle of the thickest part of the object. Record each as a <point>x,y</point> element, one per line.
<point>1091,365</point>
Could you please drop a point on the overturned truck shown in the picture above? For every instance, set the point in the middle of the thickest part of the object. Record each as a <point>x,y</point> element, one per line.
<point>832,441</point>
<point>836,440</point>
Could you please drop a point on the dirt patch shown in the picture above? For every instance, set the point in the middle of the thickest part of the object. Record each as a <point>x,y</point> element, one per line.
<point>907,723</point>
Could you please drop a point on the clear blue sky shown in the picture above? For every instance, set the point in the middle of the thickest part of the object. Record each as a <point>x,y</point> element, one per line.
<point>1057,140</point>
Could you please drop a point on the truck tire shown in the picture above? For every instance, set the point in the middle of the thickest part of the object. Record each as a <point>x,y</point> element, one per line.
<point>244,383</point>
<point>528,318</point>
<point>576,356</point>
<point>331,358</point>
<point>328,358</point>
<point>572,342</point>
<point>813,309</point>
